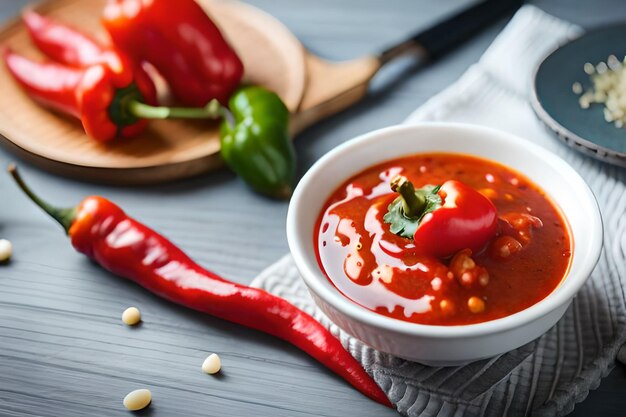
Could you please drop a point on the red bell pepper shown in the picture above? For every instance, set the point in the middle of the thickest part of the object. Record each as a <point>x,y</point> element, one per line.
<point>103,232</point>
<point>179,39</point>
<point>442,220</point>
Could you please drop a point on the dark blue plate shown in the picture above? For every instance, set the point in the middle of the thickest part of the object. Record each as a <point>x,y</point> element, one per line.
<point>557,106</point>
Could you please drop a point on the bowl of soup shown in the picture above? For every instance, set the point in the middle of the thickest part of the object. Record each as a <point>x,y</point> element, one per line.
<point>443,243</point>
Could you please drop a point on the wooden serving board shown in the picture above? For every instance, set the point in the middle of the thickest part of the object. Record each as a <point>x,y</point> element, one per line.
<point>310,87</point>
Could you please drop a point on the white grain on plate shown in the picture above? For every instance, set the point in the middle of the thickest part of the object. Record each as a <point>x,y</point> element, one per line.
<point>589,68</point>
<point>613,62</point>
<point>608,88</point>
<point>585,100</point>
<point>601,68</point>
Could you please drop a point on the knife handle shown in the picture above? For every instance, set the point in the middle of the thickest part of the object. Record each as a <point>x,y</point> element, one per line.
<point>444,36</point>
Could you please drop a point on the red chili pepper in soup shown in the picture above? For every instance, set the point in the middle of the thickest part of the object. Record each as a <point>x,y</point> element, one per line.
<point>442,220</point>
<point>478,241</point>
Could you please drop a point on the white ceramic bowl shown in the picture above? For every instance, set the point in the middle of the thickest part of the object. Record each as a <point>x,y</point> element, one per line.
<point>444,345</point>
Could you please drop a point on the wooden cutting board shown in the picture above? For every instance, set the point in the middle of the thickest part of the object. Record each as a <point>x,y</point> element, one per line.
<point>310,87</point>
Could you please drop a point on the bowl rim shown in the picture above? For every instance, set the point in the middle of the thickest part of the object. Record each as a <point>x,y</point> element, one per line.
<point>313,278</point>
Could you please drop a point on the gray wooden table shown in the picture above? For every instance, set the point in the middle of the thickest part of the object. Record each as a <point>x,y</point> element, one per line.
<point>63,349</point>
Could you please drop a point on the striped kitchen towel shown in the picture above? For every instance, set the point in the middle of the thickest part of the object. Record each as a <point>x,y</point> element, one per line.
<point>549,375</point>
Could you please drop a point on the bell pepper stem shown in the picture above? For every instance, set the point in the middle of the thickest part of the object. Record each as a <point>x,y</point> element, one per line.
<point>213,110</point>
<point>413,204</point>
<point>65,216</point>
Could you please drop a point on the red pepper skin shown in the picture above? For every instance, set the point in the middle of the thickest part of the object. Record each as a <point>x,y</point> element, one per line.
<point>86,94</point>
<point>125,247</point>
<point>71,47</point>
<point>466,220</point>
<point>95,95</point>
<point>87,89</point>
<point>179,39</point>
<point>50,84</point>
<point>62,43</point>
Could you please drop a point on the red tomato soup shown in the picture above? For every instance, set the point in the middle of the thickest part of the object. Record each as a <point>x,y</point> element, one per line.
<point>524,254</point>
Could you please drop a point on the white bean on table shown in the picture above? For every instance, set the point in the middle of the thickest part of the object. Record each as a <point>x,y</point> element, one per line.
<point>131,316</point>
<point>138,399</point>
<point>212,364</point>
<point>6,250</point>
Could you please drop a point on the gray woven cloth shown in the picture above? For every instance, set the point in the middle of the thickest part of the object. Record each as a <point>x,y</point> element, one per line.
<point>549,375</point>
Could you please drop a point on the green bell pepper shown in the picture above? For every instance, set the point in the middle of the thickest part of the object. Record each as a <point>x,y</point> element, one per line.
<point>254,136</point>
<point>255,141</point>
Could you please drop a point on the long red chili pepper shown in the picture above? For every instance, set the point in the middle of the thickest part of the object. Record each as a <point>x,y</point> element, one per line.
<point>102,231</point>
<point>87,80</point>
<point>95,95</point>
<point>67,45</point>
<point>179,39</point>
<point>51,84</point>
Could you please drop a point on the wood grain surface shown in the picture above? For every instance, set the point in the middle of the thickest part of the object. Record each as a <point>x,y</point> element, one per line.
<point>168,149</point>
<point>63,349</point>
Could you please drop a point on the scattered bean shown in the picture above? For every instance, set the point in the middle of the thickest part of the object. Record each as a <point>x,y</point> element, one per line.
<point>483,278</point>
<point>131,316</point>
<point>212,364</point>
<point>138,399</point>
<point>446,306</point>
<point>505,246</point>
<point>6,250</point>
<point>476,305</point>
<point>466,271</point>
